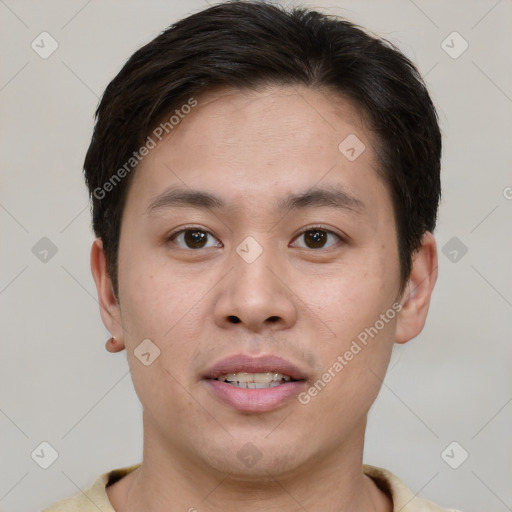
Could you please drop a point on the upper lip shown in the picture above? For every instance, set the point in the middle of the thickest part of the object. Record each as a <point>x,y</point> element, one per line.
<point>250,364</point>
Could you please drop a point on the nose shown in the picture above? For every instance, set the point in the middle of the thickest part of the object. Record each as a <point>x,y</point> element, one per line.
<point>256,294</point>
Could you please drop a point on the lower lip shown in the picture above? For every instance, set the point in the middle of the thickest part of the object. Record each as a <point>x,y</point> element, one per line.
<point>255,400</point>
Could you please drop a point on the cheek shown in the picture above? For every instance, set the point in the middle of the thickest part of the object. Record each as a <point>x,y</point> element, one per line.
<point>159,306</point>
<point>153,297</point>
<point>355,353</point>
<point>155,310</point>
<point>352,296</point>
<point>354,362</point>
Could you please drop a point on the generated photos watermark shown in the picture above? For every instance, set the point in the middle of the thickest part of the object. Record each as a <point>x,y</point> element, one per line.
<point>151,141</point>
<point>355,348</point>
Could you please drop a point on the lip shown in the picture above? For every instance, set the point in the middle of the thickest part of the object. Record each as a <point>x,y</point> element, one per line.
<point>249,364</point>
<point>255,400</point>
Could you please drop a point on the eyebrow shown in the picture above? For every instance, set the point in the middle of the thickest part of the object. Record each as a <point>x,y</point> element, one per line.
<point>333,197</point>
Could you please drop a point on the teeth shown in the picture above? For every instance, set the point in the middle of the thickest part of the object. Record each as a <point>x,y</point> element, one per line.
<point>255,380</point>
<point>254,385</point>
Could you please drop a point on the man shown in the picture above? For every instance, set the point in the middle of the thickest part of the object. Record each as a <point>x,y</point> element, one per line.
<point>265,185</point>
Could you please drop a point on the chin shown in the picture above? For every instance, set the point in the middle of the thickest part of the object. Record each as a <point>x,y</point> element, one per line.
<point>260,458</point>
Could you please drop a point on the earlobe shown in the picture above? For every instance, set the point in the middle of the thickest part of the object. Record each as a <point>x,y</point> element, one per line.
<point>113,345</point>
<point>109,305</point>
<point>416,300</point>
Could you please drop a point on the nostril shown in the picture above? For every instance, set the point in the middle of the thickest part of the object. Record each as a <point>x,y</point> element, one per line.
<point>273,319</point>
<point>234,319</point>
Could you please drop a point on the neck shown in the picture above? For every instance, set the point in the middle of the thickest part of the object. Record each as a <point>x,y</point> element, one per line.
<point>172,480</point>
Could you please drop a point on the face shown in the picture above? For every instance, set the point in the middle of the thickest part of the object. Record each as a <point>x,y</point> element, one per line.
<point>283,274</point>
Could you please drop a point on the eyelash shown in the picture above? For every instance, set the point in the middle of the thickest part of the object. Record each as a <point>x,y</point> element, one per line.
<point>171,237</point>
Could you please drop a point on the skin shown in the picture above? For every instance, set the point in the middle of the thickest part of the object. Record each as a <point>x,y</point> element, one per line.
<point>301,302</point>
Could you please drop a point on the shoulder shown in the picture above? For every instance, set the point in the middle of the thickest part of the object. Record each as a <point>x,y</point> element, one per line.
<point>93,498</point>
<point>404,499</point>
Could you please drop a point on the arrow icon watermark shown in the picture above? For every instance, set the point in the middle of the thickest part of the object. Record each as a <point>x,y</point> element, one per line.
<point>146,352</point>
<point>249,249</point>
<point>351,147</point>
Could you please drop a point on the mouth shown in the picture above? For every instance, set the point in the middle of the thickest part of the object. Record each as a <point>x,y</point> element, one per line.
<point>255,384</point>
<point>262,380</point>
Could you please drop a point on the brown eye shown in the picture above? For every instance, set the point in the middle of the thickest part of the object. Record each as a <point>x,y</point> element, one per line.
<point>317,239</point>
<point>194,239</point>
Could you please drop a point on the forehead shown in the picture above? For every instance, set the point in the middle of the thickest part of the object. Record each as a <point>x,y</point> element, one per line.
<point>274,116</point>
<point>261,143</point>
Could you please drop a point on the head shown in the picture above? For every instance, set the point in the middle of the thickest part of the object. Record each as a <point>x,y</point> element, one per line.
<point>263,183</point>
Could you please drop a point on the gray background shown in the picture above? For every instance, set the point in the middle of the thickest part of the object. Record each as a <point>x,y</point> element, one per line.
<point>59,385</point>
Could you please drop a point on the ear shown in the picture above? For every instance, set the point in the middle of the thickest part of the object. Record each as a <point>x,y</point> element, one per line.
<point>416,299</point>
<point>109,306</point>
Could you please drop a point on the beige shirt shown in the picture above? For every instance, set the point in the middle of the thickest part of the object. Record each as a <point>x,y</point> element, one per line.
<point>95,498</point>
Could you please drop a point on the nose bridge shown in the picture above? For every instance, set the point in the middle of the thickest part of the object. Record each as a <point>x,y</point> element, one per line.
<point>254,292</point>
<point>253,261</point>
